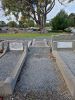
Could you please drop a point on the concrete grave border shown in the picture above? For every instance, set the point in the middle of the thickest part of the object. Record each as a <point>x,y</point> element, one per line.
<point>67,74</point>
<point>29,43</point>
<point>45,41</point>
<point>34,41</point>
<point>5,49</point>
<point>7,86</point>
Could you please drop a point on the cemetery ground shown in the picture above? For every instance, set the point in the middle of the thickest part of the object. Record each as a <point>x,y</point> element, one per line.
<point>38,76</point>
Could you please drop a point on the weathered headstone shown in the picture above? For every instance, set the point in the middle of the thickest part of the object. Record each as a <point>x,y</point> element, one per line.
<point>64,45</point>
<point>16,46</point>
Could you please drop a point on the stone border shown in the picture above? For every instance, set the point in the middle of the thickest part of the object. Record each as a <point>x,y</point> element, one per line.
<point>67,74</point>
<point>5,50</point>
<point>33,42</point>
<point>29,43</point>
<point>45,41</point>
<point>7,86</point>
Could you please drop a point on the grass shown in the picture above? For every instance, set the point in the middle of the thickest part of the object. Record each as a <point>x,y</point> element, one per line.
<point>27,35</point>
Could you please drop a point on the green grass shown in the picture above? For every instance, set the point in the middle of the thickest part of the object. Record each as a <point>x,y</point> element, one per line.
<point>27,35</point>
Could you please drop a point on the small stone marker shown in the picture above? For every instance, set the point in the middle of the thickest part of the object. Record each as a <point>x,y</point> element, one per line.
<point>64,45</point>
<point>16,46</point>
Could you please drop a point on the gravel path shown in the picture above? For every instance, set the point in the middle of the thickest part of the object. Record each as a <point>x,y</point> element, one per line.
<point>7,63</point>
<point>69,59</point>
<point>40,80</point>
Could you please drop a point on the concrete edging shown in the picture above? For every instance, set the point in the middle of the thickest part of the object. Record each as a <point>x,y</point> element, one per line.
<point>4,52</point>
<point>29,43</point>
<point>7,86</point>
<point>45,43</point>
<point>67,74</point>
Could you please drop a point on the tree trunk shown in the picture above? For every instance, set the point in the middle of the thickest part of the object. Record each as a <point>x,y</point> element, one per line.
<point>43,23</point>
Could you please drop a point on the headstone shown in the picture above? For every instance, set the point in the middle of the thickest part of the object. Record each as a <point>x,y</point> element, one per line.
<point>64,45</point>
<point>15,46</point>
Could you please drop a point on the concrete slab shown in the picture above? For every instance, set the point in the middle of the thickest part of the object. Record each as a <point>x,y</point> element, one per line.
<point>69,58</point>
<point>64,59</point>
<point>40,75</point>
<point>10,67</point>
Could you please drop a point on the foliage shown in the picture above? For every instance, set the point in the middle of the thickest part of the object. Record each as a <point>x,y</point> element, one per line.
<point>47,25</point>
<point>60,21</point>
<point>26,22</point>
<point>2,24</point>
<point>12,24</point>
<point>72,20</point>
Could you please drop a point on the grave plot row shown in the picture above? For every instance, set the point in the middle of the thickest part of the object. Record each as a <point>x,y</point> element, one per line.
<point>65,59</point>
<point>10,66</point>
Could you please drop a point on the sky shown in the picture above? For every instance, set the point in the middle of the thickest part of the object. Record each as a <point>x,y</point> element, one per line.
<point>69,8</point>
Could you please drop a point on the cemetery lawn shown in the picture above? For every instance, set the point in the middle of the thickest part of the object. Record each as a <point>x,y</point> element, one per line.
<point>28,35</point>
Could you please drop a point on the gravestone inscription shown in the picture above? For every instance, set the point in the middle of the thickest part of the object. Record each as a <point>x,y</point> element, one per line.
<point>64,45</point>
<point>16,46</point>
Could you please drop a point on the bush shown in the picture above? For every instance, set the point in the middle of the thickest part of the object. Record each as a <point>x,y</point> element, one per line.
<point>12,24</point>
<point>60,22</point>
<point>2,24</point>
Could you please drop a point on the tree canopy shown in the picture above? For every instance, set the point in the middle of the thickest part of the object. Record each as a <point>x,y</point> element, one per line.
<point>60,21</point>
<point>72,20</point>
<point>2,24</point>
<point>12,24</point>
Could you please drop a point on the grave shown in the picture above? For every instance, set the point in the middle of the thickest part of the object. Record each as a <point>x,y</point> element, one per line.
<point>65,59</point>
<point>10,66</point>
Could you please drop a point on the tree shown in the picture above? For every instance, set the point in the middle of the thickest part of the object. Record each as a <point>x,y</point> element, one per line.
<point>35,9</point>
<point>12,24</point>
<point>2,24</point>
<point>31,23</point>
<point>72,20</point>
<point>60,21</point>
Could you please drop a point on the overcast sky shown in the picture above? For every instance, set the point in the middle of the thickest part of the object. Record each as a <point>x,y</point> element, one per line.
<point>69,8</point>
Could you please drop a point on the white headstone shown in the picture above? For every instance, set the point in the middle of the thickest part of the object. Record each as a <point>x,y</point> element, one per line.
<point>64,45</point>
<point>15,46</point>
